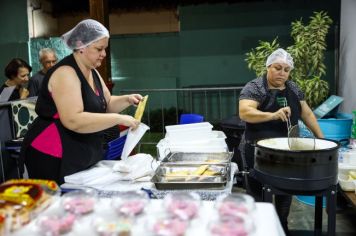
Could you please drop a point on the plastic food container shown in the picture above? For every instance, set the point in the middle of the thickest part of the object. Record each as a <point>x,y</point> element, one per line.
<point>54,225</point>
<point>166,226</point>
<point>79,202</point>
<point>24,199</point>
<point>184,206</point>
<point>105,226</point>
<point>234,205</point>
<point>239,226</point>
<point>130,204</point>
<point>346,184</point>
<point>349,157</point>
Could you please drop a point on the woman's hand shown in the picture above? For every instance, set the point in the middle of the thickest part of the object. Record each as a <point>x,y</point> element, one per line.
<point>134,99</point>
<point>282,114</point>
<point>129,121</point>
<point>24,93</point>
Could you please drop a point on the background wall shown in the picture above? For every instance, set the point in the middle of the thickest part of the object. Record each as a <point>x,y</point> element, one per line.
<point>348,55</point>
<point>211,45</point>
<point>14,33</point>
<point>209,49</point>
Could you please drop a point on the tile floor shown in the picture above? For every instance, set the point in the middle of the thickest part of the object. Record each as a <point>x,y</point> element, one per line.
<point>301,219</point>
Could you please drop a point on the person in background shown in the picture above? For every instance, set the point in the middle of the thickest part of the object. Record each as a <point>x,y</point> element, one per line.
<point>17,73</point>
<point>47,58</point>
<point>266,117</point>
<point>74,106</point>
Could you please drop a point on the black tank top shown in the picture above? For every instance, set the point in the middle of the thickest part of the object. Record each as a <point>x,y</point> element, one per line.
<point>80,151</point>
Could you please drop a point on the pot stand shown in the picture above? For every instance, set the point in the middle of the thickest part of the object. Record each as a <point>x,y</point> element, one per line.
<point>330,193</point>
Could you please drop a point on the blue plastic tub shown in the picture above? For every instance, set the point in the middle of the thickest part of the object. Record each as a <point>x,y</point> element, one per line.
<point>309,200</point>
<point>190,118</point>
<point>338,129</point>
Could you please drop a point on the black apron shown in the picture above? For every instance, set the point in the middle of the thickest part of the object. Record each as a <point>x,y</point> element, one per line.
<point>271,129</point>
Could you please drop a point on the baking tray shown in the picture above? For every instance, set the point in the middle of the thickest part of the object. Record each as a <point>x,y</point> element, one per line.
<point>164,181</point>
<point>200,158</point>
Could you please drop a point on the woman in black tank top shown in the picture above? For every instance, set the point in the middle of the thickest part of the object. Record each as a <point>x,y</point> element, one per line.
<point>74,106</point>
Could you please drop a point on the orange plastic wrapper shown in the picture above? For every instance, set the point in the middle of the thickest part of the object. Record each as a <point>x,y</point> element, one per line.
<point>23,199</point>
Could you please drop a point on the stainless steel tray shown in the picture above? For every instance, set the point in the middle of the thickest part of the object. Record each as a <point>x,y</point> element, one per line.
<point>163,180</point>
<point>189,157</point>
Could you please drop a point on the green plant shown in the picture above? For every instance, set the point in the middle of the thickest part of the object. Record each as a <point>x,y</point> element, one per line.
<point>308,55</point>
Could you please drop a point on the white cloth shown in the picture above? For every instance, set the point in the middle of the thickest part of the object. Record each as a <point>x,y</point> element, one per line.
<point>106,175</point>
<point>137,166</point>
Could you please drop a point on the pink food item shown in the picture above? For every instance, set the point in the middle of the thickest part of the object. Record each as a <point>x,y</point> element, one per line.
<point>131,208</point>
<point>79,205</point>
<point>231,209</point>
<point>228,228</point>
<point>170,227</point>
<point>55,226</point>
<point>184,209</point>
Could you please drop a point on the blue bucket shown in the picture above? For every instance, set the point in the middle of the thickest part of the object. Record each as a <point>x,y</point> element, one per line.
<point>309,200</point>
<point>338,129</point>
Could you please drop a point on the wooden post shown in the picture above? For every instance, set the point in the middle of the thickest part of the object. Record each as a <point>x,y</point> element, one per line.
<point>99,11</point>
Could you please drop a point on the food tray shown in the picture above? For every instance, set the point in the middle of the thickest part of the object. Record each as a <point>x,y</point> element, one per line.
<point>198,158</point>
<point>163,180</point>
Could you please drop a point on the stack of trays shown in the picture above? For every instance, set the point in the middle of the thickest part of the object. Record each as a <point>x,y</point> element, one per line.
<point>193,171</point>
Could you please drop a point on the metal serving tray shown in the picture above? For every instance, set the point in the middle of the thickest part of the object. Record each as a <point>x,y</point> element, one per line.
<point>163,180</point>
<point>201,158</point>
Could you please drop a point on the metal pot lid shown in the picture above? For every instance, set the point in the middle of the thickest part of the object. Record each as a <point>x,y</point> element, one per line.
<point>305,144</point>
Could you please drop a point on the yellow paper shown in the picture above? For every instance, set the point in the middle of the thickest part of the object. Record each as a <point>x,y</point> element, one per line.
<point>141,108</point>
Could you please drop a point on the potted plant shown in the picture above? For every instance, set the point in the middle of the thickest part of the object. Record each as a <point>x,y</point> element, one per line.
<point>308,55</point>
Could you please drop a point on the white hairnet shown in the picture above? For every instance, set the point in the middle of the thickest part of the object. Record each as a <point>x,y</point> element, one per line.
<point>280,56</point>
<point>84,33</point>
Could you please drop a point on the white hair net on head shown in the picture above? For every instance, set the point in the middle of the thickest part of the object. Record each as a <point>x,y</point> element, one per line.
<point>280,56</point>
<point>84,33</point>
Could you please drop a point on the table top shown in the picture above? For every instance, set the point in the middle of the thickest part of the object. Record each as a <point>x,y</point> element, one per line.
<point>351,197</point>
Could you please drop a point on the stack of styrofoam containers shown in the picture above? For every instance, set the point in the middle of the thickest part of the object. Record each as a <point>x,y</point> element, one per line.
<point>197,137</point>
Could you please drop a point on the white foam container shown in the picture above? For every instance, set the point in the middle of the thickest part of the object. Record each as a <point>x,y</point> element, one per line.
<point>345,183</point>
<point>349,157</point>
<point>189,131</point>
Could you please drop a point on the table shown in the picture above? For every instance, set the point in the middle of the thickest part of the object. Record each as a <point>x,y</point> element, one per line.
<point>265,218</point>
<point>350,197</point>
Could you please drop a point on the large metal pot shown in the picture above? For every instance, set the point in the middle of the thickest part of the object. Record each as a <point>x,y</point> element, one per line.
<point>304,170</point>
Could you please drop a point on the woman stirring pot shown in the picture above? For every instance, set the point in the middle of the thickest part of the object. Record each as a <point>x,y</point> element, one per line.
<point>266,104</point>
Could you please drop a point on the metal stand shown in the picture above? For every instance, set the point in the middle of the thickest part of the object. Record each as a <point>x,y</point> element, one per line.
<point>330,194</point>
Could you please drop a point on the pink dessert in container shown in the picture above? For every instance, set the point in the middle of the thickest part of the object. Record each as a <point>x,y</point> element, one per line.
<point>55,225</point>
<point>238,226</point>
<point>233,205</point>
<point>79,202</point>
<point>185,206</point>
<point>165,226</point>
<point>130,204</point>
